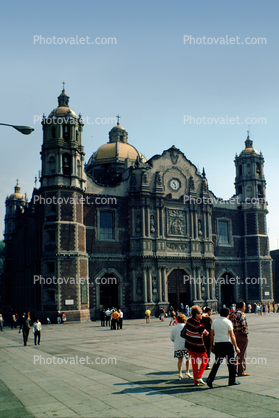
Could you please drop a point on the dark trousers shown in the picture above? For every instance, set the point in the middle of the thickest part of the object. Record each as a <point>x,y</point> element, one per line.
<point>37,335</point>
<point>221,351</point>
<point>25,333</point>
<point>102,322</point>
<point>242,342</point>
<point>107,320</point>
<point>207,344</point>
<point>120,322</point>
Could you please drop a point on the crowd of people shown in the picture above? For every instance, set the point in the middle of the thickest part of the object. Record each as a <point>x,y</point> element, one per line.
<point>23,322</point>
<point>198,336</point>
<point>112,318</point>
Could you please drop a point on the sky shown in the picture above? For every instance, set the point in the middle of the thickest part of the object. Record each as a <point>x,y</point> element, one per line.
<point>174,71</point>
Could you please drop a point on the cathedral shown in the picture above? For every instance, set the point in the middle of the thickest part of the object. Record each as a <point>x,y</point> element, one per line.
<point>121,231</point>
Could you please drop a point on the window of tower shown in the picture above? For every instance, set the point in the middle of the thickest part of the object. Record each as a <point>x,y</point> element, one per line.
<point>106,225</point>
<point>223,233</point>
<point>240,170</point>
<point>66,164</point>
<point>249,191</point>
<point>77,136</point>
<point>239,189</point>
<point>66,132</point>
<point>260,191</point>
<point>258,169</point>
<point>53,131</point>
<point>248,168</point>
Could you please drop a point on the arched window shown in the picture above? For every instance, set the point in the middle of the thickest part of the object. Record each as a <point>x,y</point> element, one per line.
<point>53,132</point>
<point>66,164</point>
<point>66,132</point>
<point>223,233</point>
<point>240,170</point>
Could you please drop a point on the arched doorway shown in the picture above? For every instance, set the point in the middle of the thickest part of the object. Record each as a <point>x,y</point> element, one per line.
<point>108,292</point>
<point>226,290</point>
<point>178,289</point>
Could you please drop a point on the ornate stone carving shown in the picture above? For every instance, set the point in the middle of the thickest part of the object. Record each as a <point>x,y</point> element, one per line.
<point>144,179</point>
<point>152,223</point>
<point>177,247</point>
<point>158,179</point>
<point>199,227</point>
<point>154,285</point>
<point>176,222</point>
<point>174,154</point>
<point>191,183</point>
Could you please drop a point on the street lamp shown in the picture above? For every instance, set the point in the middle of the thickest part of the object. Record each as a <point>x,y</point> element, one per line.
<point>26,130</point>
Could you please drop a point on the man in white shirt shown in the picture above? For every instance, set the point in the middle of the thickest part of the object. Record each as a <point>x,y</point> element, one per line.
<point>224,341</point>
<point>37,327</point>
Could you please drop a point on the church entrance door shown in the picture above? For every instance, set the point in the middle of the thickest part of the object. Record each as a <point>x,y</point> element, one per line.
<point>108,292</point>
<point>178,291</point>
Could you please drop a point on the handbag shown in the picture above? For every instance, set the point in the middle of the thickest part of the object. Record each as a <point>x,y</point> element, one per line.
<point>183,332</point>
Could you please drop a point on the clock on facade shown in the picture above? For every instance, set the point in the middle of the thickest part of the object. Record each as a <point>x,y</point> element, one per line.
<point>174,184</point>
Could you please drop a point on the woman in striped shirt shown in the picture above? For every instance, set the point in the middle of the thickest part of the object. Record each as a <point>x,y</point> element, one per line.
<point>194,343</point>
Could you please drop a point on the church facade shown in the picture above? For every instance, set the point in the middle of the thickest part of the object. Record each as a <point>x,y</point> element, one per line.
<point>126,232</point>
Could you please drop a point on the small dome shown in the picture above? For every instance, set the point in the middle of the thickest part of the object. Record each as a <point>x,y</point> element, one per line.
<point>249,147</point>
<point>63,107</point>
<point>17,194</point>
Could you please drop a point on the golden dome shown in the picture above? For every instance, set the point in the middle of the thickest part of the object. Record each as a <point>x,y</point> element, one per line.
<point>62,111</point>
<point>116,152</point>
<point>16,194</point>
<point>248,151</point>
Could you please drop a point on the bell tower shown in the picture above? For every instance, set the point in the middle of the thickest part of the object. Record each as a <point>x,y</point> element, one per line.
<point>62,151</point>
<point>250,186</point>
<point>64,260</point>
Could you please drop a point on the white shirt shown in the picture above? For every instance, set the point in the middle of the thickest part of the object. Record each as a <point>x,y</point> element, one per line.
<point>179,342</point>
<point>221,327</point>
<point>37,326</point>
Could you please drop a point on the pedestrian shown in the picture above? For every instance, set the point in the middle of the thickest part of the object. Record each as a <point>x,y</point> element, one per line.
<point>120,319</point>
<point>147,316</point>
<point>14,321</point>
<point>179,346</point>
<point>172,314</point>
<point>222,347</point>
<point>207,322</point>
<point>63,317</point>
<point>241,332</point>
<point>26,328</point>
<point>103,317</point>
<point>58,317</point>
<point>162,314</point>
<point>108,315</point>
<point>37,327</point>
<point>48,321</point>
<point>193,333</point>
<point>114,319</point>
<point>1,322</point>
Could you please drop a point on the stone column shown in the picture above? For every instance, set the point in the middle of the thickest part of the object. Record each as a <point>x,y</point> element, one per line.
<point>144,286</point>
<point>133,227</point>
<point>204,224</point>
<point>158,226</point>
<point>198,284</point>
<point>143,221</point>
<point>193,285</point>
<point>164,282</point>
<point>147,214</point>
<point>149,285</point>
<point>159,275</point>
<point>207,283</point>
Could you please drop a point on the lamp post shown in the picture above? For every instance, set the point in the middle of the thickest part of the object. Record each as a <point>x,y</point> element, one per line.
<point>25,130</point>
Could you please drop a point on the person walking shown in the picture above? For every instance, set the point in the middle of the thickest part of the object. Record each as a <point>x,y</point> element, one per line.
<point>207,322</point>
<point>179,346</point>
<point>26,328</point>
<point>223,341</point>
<point>108,315</point>
<point>193,333</point>
<point>162,314</point>
<point>37,327</point>
<point>103,317</point>
<point>147,316</point>
<point>1,322</point>
<point>120,319</point>
<point>241,332</point>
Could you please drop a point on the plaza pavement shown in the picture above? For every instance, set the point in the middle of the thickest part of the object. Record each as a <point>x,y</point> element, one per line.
<point>143,382</point>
